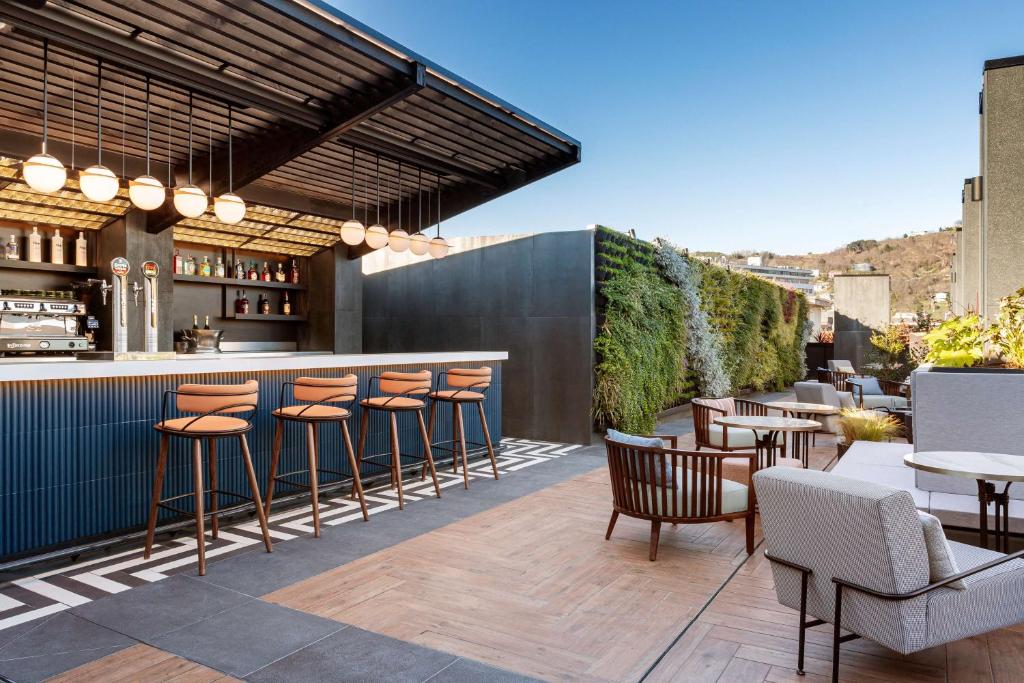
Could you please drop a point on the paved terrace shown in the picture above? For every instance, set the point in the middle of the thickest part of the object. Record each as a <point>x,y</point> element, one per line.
<point>509,581</point>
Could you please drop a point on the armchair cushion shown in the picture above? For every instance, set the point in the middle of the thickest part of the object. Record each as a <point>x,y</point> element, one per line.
<point>639,442</point>
<point>846,399</point>
<point>738,438</point>
<point>888,402</point>
<point>727,404</point>
<point>841,366</point>
<point>734,495</point>
<point>869,385</point>
<point>941,561</point>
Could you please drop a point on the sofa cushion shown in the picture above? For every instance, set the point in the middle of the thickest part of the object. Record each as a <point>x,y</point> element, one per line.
<point>941,561</point>
<point>846,399</point>
<point>869,385</point>
<point>889,402</point>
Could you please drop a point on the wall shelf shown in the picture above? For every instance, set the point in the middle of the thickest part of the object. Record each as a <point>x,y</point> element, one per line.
<point>269,317</point>
<point>48,267</point>
<point>237,284</point>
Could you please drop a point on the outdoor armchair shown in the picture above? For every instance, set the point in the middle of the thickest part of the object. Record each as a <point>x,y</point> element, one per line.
<point>825,394</point>
<point>872,393</point>
<point>710,435</point>
<point>859,556</point>
<point>661,484</point>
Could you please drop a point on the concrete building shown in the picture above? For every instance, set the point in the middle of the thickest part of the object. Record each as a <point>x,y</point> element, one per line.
<point>800,279</point>
<point>861,307</point>
<point>989,260</point>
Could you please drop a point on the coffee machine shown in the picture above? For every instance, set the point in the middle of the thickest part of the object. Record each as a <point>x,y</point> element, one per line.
<point>41,322</point>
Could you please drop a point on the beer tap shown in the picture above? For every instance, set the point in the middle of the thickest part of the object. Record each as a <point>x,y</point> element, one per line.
<point>136,288</point>
<point>104,287</point>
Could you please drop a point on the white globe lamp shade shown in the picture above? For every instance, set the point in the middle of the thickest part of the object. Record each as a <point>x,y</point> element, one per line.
<point>352,232</point>
<point>43,173</point>
<point>146,192</point>
<point>398,240</point>
<point>190,201</point>
<point>438,247</point>
<point>229,208</point>
<point>376,236</point>
<point>419,244</point>
<point>98,183</point>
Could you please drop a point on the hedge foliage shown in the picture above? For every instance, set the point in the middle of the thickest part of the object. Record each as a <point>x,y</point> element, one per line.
<point>643,362</point>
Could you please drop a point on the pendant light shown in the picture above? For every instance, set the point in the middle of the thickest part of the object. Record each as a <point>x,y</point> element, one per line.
<point>419,244</point>
<point>229,207</point>
<point>98,182</point>
<point>439,245</point>
<point>376,235</point>
<point>189,200</point>
<point>352,231</point>
<point>42,172</point>
<point>146,192</point>
<point>398,240</point>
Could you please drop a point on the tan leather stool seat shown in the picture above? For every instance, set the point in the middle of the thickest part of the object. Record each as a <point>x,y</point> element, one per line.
<point>312,412</point>
<point>204,425</point>
<point>457,395</point>
<point>396,402</point>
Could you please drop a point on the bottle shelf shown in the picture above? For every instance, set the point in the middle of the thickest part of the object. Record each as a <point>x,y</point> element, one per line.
<point>237,284</point>
<point>50,267</point>
<point>269,317</point>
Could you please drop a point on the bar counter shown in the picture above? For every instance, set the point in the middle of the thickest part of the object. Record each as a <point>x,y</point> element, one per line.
<point>78,448</point>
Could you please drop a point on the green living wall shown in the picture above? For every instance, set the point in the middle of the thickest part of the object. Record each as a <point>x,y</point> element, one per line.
<point>643,364</point>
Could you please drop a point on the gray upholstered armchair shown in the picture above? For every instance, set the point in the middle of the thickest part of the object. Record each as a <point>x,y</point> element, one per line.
<point>859,554</point>
<point>825,394</point>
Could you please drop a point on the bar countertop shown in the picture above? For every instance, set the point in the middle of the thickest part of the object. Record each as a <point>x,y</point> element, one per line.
<point>47,368</point>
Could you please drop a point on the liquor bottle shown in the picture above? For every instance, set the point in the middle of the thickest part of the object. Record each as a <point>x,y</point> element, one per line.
<point>81,250</point>
<point>286,305</point>
<point>206,325</point>
<point>264,304</point>
<point>242,303</point>
<point>253,275</point>
<point>195,321</point>
<point>57,248</point>
<point>293,274</point>
<point>280,274</point>
<point>204,268</point>
<point>190,265</point>
<point>13,251</point>
<point>35,246</point>
<point>219,272</point>
<point>265,275</point>
<point>239,269</point>
<point>179,263</point>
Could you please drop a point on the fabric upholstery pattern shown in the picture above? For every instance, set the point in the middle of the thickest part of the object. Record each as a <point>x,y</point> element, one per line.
<point>941,561</point>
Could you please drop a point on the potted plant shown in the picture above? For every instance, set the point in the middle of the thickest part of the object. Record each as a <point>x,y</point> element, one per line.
<point>963,343</point>
<point>865,425</point>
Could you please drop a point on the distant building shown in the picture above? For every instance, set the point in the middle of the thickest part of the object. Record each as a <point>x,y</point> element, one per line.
<point>821,314</point>
<point>904,318</point>
<point>862,268</point>
<point>940,297</point>
<point>800,279</point>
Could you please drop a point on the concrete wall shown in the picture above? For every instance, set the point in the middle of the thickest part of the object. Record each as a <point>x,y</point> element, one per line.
<point>861,305</point>
<point>532,297</point>
<point>969,251</point>
<point>1002,214</point>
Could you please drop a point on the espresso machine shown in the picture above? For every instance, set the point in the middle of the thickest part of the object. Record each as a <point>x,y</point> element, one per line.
<point>41,322</point>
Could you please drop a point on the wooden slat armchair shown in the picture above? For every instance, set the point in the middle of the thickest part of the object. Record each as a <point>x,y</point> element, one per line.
<point>678,487</point>
<point>709,435</point>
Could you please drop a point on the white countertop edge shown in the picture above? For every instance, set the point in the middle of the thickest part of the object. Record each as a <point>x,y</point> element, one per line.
<point>249,362</point>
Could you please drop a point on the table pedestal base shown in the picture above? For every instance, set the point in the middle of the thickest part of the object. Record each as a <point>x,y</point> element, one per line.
<point>987,493</point>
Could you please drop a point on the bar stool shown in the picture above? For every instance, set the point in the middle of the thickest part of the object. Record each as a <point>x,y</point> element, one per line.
<point>470,385</point>
<point>401,390</point>
<point>315,392</point>
<point>211,406</point>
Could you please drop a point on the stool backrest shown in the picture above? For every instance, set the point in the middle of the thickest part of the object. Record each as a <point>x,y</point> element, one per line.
<point>405,383</point>
<point>218,398</point>
<point>326,389</point>
<point>469,378</point>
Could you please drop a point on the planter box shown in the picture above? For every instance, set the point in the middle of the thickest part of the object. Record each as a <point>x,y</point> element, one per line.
<point>970,409</point>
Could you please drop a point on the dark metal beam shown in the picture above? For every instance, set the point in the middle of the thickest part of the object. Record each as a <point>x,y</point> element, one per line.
<point>258,156</point>
<point>73,30</point>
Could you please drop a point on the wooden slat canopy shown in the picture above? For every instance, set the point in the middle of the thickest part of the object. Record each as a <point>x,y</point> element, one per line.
<point>308,87</point>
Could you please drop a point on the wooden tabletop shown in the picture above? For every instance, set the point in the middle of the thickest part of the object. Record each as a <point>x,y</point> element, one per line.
<point>797,407</point>
<point>969,464</point>
<point>767,422</point>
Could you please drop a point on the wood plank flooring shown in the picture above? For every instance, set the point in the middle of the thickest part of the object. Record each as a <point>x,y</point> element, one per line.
<point>142,663</point>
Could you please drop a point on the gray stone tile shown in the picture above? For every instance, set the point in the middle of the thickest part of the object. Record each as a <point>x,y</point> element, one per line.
<point>470,671</point>
<point>60,643</point>
<point>357,655</point>
<point>149,611</point>
<point>246,638</point>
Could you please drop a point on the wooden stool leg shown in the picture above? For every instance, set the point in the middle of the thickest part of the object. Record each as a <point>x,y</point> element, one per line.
<point>275,457</point>
<point>655,535</point>
<point>158,490</point>
<point>462,445</point>
<point>430,454</point>
<point>363,424</point>
<point>314,477</point>
<point>213,488</point>
<point>430,435</point>
<point>455,437</point>
<point>396,459</point>
<point>357,483</point>
<point>487,438</point>
<point>255,486</point>
<point>197,483</point>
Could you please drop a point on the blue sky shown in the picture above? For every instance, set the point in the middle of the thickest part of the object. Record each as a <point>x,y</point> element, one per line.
<point>783,126</point>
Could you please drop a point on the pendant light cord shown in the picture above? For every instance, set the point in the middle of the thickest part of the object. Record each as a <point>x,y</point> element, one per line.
<point>438,205</point>
<point>419,200</point>
<point>147,127</point>
<point>231,151</point>
<point>170,163</point>
<point>378,189</point>
<point>189,137</point>
<point>99,111</point>
<point>124,97</point>
<point>399,195</point>
<point>354,183</point>
<point>209,153</point>
<point>46,93</point>
<point>74,78</point>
